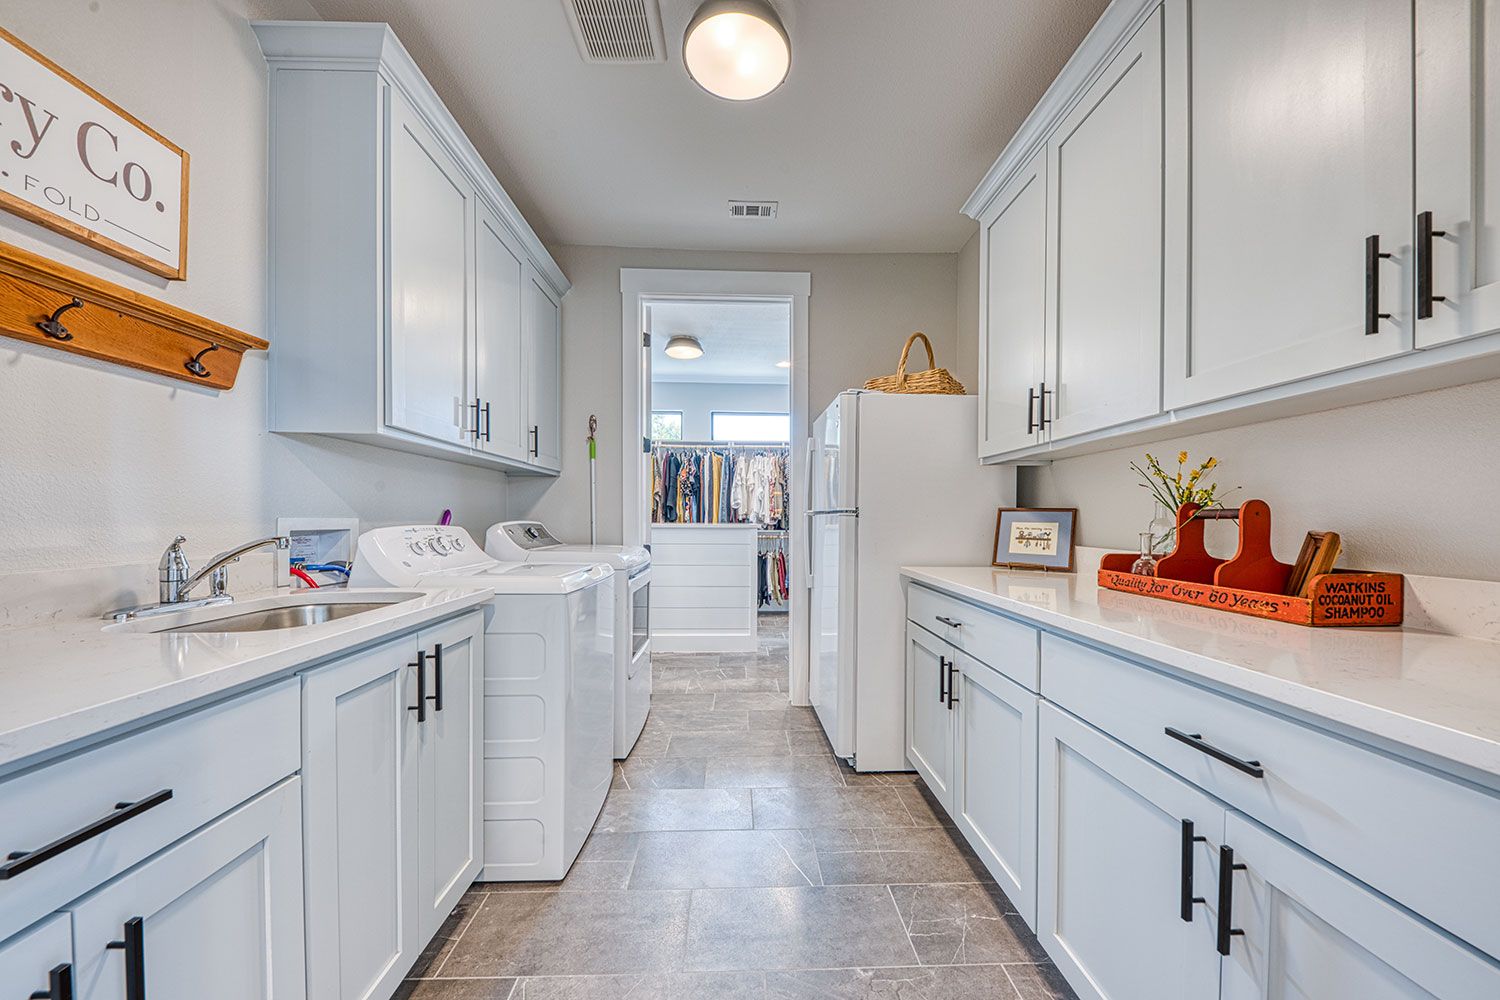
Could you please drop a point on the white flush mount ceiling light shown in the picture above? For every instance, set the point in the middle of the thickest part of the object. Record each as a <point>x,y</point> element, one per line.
<point>684,348</point>
<point>783,364</point>
<point>737,49</point>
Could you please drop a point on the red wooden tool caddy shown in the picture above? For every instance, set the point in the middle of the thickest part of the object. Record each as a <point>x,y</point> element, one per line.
<point>1252,581</point>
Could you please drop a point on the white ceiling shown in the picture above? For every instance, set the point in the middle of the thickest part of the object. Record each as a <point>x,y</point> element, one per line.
<point>892,113</point>
<point>742,341</point>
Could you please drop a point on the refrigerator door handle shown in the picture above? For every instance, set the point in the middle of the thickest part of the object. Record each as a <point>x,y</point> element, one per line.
<point>844,511</point>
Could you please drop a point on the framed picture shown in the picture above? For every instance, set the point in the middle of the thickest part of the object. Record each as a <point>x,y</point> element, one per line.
<point>1035,538</point>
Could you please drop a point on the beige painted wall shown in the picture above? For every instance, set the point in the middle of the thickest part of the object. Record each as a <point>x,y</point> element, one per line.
<point>863,307</point>
<point>1410,483</point>
<point>101,466</point>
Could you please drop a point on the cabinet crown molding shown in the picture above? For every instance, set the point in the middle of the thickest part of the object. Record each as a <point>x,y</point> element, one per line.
<point>374,47</point>
<point>1105,39</point>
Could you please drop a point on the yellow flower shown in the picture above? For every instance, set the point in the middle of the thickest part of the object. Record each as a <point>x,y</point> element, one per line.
<point>1181,457</point>
<point>1210,463</point>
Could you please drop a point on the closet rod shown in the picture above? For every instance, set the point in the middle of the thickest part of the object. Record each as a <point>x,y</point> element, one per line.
<point>718,444</point>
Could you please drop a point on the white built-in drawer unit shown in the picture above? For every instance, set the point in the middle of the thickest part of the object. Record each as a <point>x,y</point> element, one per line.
<point>703,588</point>
<point>89,817</point>
<point>1423,839</point>
<point>1002,643</point>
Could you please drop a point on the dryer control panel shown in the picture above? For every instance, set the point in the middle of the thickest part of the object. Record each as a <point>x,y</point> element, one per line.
<point>529,535</point>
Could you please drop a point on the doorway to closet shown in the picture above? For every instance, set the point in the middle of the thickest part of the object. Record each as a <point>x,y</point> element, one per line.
<point>720,400</point>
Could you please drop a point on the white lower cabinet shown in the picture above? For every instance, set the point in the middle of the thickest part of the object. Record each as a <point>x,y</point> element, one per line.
<point>994,778</point>
<point>391,771</point>
<point>218,914</point>
<point>1111,873</point>
<point>40,960</point>
<point>930,667</point>
<point>1301,929</point>
<point>450,835</point>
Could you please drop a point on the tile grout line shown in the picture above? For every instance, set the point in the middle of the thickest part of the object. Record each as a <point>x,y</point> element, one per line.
<point>904,929</point>
<point>461,932</point>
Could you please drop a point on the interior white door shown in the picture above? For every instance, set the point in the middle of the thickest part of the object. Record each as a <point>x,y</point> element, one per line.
<point>218,914</point>
<point>931,669</point>
<point>1110,872</point>
<point>1104,327</point>
<point>450,834</point>
<point>499,421</point>
<point>1312,933</point>
<point>429,208</point>
<point>994,778</point>
<point>1458,166</point>
<point>1289,138</point>
<point>1013,322</point>
<point>359,792</point>
<point>543,324</point>
<point>40,960</point>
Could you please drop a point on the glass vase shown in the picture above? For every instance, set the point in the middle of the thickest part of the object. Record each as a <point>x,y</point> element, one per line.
<point>1163,529</point>
<point>1146,564</point>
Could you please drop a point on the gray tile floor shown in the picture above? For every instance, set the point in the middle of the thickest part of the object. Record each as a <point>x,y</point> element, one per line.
<point>736,859</point>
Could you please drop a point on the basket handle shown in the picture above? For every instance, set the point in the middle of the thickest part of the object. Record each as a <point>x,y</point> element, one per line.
<point>906,351</point>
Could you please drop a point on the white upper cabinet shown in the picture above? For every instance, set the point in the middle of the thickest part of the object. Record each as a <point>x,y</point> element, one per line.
<point>1104,326</point>
<point>431,204</point>
<point>1458,171</point>
<point>499,418</point>
<point>399,292</point>
<point>1013,307</point>
<point>1289,134</point>
<point>542,319</point>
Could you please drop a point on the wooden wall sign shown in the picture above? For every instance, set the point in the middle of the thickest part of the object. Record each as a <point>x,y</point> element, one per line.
<point>74,161</point>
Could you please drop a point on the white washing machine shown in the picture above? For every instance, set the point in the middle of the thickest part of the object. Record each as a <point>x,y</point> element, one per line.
<point>549,682</point>
<point>530,541</point>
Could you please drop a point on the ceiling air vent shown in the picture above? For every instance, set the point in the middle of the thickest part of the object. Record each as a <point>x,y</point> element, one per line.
<point>617,31</point>
<point>753,209</point>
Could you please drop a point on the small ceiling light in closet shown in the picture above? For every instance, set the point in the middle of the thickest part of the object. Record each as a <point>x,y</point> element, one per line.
<point>737,49</point>
<point>684,348</point>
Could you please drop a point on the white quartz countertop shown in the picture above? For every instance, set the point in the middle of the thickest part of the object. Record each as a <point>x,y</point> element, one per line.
<point>69,682</point>
<point>1437,694</point>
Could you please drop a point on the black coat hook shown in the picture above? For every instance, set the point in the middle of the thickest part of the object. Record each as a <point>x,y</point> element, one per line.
<point>195,365</point>
<point>54,329</point>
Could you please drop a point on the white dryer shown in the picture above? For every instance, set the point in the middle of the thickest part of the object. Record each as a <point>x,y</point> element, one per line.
<point>530,541</point>
<point>548,689</point>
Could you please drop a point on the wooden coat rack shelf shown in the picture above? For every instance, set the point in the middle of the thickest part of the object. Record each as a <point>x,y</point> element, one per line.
<point>113,323</point>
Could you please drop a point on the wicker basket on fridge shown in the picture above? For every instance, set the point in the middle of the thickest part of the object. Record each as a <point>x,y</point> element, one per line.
<point>934,380</point>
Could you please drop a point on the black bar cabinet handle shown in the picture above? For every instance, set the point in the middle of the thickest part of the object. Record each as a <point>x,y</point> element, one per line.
<point>486,421</point>
<point>1197,742</point>
<point>134,946</point>
<point>21,861</point>
<point>437,677</point>
<point>1227,868</point>
<point>949,621</point>
<point>942,678</point>
<point>421,706</point>
<point>59,984</point>
<point>1373,257</point>
<point>1041,408</point>
<point>475,430</point>
<point>1188,899</point>
<point>952,684</point>
<point>1425,234</point>
<point>1030,407</point>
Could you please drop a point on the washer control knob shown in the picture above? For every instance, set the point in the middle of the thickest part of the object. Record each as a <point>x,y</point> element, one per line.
<point>440,546</point>
<point>458,543</point>
<point>416,546</point>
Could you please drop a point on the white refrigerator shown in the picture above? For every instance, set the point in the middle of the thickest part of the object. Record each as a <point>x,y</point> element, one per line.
<point>894,480</point>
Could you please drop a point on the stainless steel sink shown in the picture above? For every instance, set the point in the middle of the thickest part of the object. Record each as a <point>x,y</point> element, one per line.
<point>272,619</point>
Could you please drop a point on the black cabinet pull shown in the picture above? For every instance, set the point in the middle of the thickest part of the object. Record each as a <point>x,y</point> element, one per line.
<point>475,430</point>
<point>949,622</point>
<point>1425,234</point>
<point>1030,406</point>
<point>59,984</point>
<point>1188,899</point>
<point>952,684</point>
<point>1196,741</point>
<point>134,947</point>
<point>486,422</point>
<point>1041,408</point>
<point>21,861</point>
<point>437,677</point>
<point>536,441</point>
<point>1227,868</point>
<point>942,678</point>
<point>421,706</point>
<point>1373,257</point>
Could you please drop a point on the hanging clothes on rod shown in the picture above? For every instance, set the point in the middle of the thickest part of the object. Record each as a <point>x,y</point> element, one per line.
<point>772,576</point>
<point>719,483</point>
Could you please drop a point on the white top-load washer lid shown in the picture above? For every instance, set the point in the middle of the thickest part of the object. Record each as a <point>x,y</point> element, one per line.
<point>427,555</point>
<point>530,541</point>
